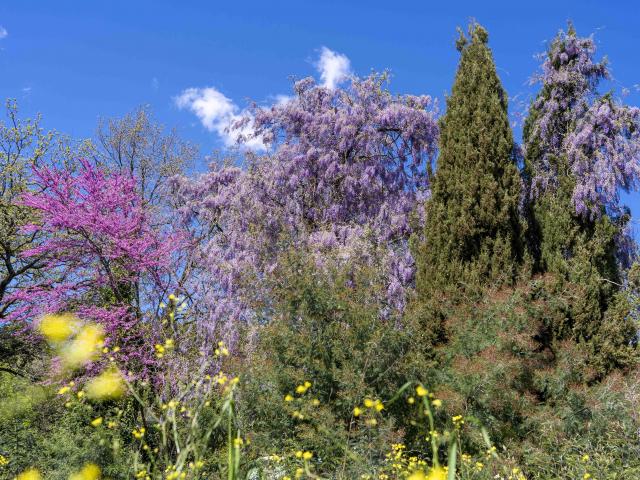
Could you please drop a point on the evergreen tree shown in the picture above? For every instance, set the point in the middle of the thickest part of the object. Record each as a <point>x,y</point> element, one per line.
<point>472,230</point>
<point>576,142</point>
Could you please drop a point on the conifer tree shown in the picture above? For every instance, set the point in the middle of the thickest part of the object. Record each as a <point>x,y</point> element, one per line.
<point>472,230</point>
<point>581,149</point>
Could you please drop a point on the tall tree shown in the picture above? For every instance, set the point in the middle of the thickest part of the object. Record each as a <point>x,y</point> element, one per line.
<point>23,145</point>
<point>100,243</point>
<point>346,169</point>
<point>582,148</point>
<point>137,144</point>
<point>472,229</point>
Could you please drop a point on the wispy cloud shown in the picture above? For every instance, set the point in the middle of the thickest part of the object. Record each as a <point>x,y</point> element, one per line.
<point>3,32</point>
<point>217,113</point>
<point>333,67</point>
<point>155,84</point>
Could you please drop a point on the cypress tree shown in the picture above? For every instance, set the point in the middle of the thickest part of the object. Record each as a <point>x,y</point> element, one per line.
<point>578,245</point>
<point>472,232</point>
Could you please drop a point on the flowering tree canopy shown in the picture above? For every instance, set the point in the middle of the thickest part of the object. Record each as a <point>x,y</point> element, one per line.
<point>347,168</point>
<point>99,243</point>
<point>597,136</point>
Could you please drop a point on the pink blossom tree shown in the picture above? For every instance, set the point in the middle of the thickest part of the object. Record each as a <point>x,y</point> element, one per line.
<point>101,247</point>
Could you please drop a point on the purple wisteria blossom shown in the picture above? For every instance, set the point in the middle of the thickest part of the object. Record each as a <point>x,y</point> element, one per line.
<point>598,137</point>
<point>346,170</point>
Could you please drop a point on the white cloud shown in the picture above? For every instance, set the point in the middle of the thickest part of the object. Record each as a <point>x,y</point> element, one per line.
<point>155,84</point>
<point>217,113</point>
<point>281,99</point>
<point>333,67</point>
<point>3,32</point>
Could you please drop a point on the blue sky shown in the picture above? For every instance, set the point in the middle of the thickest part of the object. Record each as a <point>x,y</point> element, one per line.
<point>75,61</point>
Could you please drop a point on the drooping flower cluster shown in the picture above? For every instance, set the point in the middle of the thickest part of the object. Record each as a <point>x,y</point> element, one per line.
<point>347,168</point>
<point>99,244</point>
<point>598,137</point>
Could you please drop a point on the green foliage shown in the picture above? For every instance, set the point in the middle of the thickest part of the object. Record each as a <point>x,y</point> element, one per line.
<point>325,330</point>
<point>533,391</point>
<point>39,431</point>
<point>473,230</point>
<point>581,253</point>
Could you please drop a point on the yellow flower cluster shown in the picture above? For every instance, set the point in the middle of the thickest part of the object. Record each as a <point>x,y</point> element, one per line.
<point>421,391</point>
<point>143,474</point>
<point>222,350</point>
<point>58,328</point>
<point>304,455</point>
<point>436,473</point>
<point>96,422</point>
<point>403,466</point>
<point>76,344</point>
<point>31,474</point>
<point>371,405</point>
<point>108,385</point>
<point>162,349</point>
<point>458,421</point>
<point>89,472</point>
<point>302,389</point>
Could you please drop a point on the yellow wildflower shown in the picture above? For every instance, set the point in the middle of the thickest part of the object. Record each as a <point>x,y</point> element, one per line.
<point>89,472</point>
<point>437,473</point>
<point>368,402</point>
<point>288,398</point>
<point>307,455</point>
<point>421,391</point>
<point>31,474</point>
<point>437,403</point>
<point>83,347</point>
<point>96,422</point>
<point>108,385</point>
<point>57,328</point>
<point>357,412</point>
